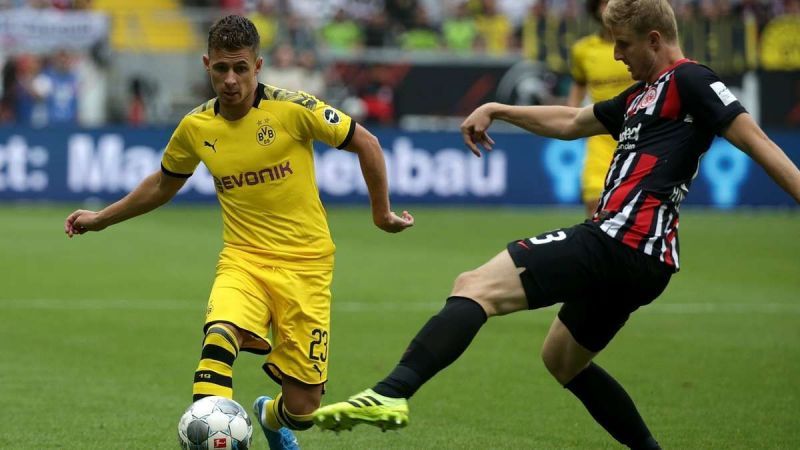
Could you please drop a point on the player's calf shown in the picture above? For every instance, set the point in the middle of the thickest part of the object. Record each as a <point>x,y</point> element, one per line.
<point>214,374</point>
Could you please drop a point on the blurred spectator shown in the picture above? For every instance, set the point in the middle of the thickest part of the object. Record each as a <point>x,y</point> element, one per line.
<point>402,13</point>
<point>295,73</point>
<point>61,90</point>
<point>298,32</point>
<point>232,6</point>
<point>422,35</point>
<point>458,30</point>
<point>341,33</point>
<point>378,97</point>
<point>8,99</point>
<point>376,31</point>
<point>313,80</point>
<point>316,13</point>
<point>494,29</point>
<point>282,70</point>
<point>532,30</point>
<point>759,10</point>
<point>360,10</point>
<point>137,106</point>
<point>266,22</point>
<point>30,90</point>
<point>780,42</point>
<point>515,10</point>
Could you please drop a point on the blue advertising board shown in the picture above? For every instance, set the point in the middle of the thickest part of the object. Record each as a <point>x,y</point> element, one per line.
<point>67,164</point>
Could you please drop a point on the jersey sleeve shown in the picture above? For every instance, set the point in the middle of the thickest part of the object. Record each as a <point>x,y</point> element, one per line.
<point>706,97</point>
<point>577,70</point>
<point>179,160</point>
<point>327,124</point>
<point>611,112</point>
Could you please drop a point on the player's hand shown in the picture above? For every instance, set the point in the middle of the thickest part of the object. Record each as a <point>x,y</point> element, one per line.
<point>474,128</point>
<point>81,221</point>
<point>392,223</point>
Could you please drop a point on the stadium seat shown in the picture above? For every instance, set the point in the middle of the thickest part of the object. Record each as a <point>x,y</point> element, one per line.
<point>148,25</point>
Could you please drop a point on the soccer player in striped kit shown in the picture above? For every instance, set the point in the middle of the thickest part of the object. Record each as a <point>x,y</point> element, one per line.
<point>605,268</point>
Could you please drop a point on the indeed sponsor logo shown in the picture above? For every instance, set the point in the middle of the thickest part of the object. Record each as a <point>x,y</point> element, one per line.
<point>417,172</point>
<point>265,175</point>
<point>630,134</point>
<point>22,167</point>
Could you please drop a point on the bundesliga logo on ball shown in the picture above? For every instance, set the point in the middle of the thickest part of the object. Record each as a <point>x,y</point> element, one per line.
<point>215,423</point>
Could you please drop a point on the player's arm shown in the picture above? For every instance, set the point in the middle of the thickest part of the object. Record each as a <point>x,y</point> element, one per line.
<point>152,192</point>
<point>373,167</point>
<point>561,122</point>
<point>744,133</point>
<point>577,92</point>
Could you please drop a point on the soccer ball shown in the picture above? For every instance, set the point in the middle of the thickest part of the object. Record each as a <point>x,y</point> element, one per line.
<point>215,423</point>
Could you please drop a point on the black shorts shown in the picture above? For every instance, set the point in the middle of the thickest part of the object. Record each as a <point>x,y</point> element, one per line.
<point>599,280</point>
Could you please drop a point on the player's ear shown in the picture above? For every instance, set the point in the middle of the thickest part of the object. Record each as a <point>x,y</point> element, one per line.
<point>654,39</point>
<point>259,63</point>
<point>206,62</point>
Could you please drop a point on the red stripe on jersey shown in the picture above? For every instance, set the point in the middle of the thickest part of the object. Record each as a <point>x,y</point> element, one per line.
<point>669,240</point>
<point>632,96</point>
<point>672,101</point>
<point>642,222</point>
<point>643,167</point>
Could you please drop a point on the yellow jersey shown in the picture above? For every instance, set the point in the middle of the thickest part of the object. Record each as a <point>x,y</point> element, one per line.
<point>593,65</point>
<point>263,169</point>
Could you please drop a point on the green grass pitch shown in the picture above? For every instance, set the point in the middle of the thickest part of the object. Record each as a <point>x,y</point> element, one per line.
<point>100,335</point>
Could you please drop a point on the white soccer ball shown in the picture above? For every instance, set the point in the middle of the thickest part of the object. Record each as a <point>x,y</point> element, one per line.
<point>215,423</point>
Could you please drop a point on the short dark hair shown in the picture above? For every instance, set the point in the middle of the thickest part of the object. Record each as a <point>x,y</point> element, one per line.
<point>591,8</point>
<point>233,33</point>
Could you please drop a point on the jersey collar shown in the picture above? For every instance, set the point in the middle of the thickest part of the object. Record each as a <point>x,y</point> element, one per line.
<point>260,94</point>
<point>671,67</point>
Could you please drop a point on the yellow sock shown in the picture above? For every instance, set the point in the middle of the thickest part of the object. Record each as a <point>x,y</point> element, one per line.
<point>278,416</point>
<point>214,374</point>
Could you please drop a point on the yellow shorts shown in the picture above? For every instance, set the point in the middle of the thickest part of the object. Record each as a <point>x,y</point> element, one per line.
<point>599,152</point>
<point>294,303</point>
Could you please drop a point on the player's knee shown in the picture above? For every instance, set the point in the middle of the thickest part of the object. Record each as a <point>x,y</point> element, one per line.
<point>466,283</point>
<point>472,285</point>
<point>558,366</point>
<point>484,290</point>
<point>228,331</point>
<point>301,405</point>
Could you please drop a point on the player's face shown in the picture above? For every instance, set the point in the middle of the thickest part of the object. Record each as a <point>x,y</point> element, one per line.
<point>635,51</point>
<point>233,74</point>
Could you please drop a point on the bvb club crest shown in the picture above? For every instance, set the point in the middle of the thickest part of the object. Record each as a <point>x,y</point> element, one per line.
<point>265,135</point>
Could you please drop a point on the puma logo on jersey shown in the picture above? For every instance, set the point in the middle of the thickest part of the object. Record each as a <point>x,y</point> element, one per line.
<point>212,146</point>
<point>316,367</point>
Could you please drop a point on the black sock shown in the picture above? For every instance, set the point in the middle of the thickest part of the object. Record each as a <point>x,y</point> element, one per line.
<point>440,342</point>
<point>611,407</point>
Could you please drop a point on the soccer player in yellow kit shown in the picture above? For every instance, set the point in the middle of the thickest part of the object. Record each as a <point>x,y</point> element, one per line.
<point>275,268</point>
<point>595,70</point>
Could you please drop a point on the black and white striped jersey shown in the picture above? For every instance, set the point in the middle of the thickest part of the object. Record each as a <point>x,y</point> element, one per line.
<point>663,129</point>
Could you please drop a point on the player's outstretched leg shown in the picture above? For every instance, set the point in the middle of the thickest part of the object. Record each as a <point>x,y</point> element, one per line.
<point>492,289</point>
<point>440,342</point>
<point>367,407</point>
<point>278,437</point>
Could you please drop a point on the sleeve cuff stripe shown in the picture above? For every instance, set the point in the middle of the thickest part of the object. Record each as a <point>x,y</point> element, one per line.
<point>173,174</point>
<point>349,135</point>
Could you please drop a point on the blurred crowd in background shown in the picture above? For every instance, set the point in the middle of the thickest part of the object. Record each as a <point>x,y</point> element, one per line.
<point>304,42</point>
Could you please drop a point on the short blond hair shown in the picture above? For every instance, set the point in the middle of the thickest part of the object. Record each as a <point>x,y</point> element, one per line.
<point>642,16</point>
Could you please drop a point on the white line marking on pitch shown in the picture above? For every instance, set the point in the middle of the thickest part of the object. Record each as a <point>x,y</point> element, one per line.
<point>666,308</point>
